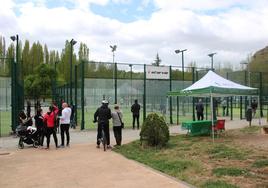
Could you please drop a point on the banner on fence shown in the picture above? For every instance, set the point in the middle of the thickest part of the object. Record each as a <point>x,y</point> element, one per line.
<point>155,72</point>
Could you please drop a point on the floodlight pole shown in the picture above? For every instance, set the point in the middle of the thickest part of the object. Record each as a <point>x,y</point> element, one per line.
<point>211,56</point>
<point>182,62</point>
<point>14,102</point>
<point>212,99</point>
<point>72,42</point>
<point>113,48</point>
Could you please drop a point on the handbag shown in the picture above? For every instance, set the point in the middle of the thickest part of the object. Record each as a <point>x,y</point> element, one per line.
<point>122,124</point>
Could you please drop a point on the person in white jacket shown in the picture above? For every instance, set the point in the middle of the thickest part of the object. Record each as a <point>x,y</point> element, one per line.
<point>65,123</point>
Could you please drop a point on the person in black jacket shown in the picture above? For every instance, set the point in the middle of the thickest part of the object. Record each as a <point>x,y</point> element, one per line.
<point>254,106</point>
<point>39,124</point>
<point>102,116</point>
<point>135,109</point>
<point>200,110</point>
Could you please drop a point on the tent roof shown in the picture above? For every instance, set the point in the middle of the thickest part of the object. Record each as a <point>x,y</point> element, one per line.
<point>215,85</point>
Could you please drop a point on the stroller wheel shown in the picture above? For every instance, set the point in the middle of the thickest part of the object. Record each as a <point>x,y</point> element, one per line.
<point>35,144</point>
<point>20,145</point>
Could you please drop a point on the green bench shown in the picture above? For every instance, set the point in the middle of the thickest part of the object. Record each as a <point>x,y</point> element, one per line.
<point>197,128</point>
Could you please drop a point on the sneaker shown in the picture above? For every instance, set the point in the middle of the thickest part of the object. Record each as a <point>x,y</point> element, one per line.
<point>98,146</point>
<point>68,145</point>
<point>109,147</point>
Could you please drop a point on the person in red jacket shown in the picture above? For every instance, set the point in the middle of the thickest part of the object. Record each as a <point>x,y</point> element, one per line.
<point>49,120</point>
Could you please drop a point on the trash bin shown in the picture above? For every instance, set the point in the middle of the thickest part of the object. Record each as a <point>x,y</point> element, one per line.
<point>249,115</point>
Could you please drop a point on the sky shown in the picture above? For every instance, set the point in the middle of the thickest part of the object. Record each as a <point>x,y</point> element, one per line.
<point>234,29</point>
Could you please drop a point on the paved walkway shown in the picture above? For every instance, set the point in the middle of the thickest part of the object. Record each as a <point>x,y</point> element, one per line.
<point>81,165</point>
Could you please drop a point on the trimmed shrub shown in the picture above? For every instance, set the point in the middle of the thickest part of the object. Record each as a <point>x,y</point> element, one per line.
<point>154,131</point>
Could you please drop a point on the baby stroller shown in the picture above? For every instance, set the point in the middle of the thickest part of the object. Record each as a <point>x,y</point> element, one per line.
<point>27,135</point>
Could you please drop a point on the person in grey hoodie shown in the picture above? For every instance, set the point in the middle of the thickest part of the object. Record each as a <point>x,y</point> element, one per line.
<point>117,117</point>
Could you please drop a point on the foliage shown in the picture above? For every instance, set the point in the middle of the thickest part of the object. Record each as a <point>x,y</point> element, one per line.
<point>258,62</point>
<point>250,130</point>
<point>152,157</point>
<point>39,84</point>
<point>224,151</point>
<point>229,171</point>
<point>260,163</point>
<point>218,184</point>
<point>189,159</point>
<point>157,60</point>
<point>154,131</point>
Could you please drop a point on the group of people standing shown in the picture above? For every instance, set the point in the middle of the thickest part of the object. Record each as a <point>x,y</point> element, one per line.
<point>199,107</point>
<point>48,123</point>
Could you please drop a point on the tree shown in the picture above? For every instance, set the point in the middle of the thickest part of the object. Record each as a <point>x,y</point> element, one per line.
<point>37,56</point>
<point>3,66</point>
<point>157,60</point>
<point>46,54</point>
<point>26,58</point>
<point>39,84</point>
<point>83,53</point>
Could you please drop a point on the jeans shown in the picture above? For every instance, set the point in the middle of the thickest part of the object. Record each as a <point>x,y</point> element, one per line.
<point>138,121</point>
<point>51,130</point>
<point>118,135</point>
<point>106,132</point>
<point>64,128</point>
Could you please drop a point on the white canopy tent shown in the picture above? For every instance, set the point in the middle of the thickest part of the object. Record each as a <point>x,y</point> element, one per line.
<point>212,85</point>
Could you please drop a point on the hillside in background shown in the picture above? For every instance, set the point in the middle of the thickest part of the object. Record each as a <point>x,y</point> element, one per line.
<point>259,61</point>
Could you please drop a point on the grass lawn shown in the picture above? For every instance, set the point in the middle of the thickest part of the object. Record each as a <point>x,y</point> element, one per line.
<point>234,160</point>
<point>5,122</point>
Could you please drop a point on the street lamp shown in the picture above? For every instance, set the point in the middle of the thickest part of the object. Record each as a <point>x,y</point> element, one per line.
<point>182,62</point>
<point>15,100</point>
<point>72,42</point>
<point>113,50</point>
<point>16,38</point>
<point>211,56</point>
<point>114,78</point>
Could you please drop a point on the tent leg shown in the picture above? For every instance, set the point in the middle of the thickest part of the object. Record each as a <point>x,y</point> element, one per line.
<point>212,115</point>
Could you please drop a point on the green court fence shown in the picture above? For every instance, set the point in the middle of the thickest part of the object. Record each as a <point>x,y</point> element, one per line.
<point>11,94</point>
<point>122,83</point>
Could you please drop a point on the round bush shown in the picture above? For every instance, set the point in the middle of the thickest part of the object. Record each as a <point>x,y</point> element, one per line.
<point>154,131</point>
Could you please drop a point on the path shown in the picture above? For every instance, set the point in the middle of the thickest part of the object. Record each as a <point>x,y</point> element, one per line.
<point>81,165</point>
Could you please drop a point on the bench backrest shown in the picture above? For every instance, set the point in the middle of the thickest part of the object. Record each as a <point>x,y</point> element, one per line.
<point>221,124</point>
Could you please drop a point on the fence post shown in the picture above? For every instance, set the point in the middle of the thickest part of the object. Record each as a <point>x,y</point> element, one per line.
<point>260,86</point>
<point>170,98</point>
<point>82,96</point>
<point>231,108</point>
<point>240,107</point>
<point>75,94</point>
<point>144,93</point>
<point>115,83</point>
<point>228,98</point>
<point>193,81</point>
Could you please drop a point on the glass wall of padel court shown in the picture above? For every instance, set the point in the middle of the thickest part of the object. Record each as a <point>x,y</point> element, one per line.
<point>11,94</point>
<point>121,84</point>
